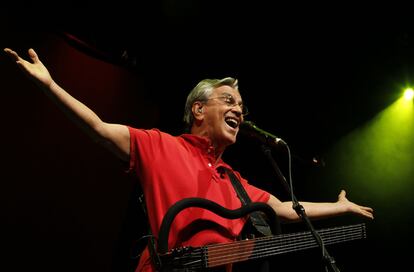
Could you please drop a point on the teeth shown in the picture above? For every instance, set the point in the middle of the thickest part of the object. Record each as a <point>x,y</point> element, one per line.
<point>232,122</point>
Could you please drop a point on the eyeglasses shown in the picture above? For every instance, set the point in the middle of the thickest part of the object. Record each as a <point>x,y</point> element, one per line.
<point>231,102</point>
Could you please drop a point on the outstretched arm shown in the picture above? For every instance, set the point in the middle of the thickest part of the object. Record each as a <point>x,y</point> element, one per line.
<point>115,137</point>
<point>318,210</point>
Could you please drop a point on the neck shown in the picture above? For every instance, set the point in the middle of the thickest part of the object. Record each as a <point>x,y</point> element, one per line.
<point>218,150</point>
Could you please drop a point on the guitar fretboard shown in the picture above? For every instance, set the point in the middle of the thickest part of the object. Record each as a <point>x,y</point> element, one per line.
<point>221,254</point>
<point>273,245</point>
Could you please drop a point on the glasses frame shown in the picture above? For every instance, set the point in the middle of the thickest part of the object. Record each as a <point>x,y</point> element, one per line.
<point>231,102</point>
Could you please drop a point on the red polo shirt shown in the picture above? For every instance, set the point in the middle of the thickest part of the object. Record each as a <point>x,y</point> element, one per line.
<point>171,168</point>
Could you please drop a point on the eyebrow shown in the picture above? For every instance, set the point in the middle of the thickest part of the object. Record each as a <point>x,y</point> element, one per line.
<point>241,102</point>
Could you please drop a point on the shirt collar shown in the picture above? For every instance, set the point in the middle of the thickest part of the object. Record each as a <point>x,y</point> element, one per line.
<point>205,145</point>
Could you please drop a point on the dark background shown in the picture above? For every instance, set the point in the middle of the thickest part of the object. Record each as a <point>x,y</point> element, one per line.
<point>308,74</point>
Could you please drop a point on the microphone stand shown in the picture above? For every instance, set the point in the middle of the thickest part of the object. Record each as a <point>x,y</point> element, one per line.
<point>299,208</point>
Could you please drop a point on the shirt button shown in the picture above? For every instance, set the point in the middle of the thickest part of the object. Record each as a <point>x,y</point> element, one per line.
<point>209,164</point>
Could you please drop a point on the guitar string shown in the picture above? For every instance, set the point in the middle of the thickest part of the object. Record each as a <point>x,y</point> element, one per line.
<point>326,231</point>
<point>218,253</point>
<point>268,251</point>
<point>271,239</point>
<point>289,236</point>
<point>264,251</point>
<point>266,248</point>
<point>259,247</point>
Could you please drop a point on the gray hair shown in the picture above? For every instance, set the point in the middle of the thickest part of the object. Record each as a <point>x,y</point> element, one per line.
<point>202,92</point>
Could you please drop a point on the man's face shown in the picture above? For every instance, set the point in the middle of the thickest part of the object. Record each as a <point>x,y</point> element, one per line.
<point>223,115</point>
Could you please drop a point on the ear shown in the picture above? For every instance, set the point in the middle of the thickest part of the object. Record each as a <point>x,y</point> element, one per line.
<point>197,110</point>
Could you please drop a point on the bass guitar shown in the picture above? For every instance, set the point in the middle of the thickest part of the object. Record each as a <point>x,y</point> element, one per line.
<point>217,255</point>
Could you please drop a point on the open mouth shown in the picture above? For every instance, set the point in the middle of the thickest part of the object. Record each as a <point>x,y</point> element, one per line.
<point>232,122</point>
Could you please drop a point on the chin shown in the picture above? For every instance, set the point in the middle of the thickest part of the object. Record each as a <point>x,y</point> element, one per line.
<point>228,137</point>
<point>230,140</point>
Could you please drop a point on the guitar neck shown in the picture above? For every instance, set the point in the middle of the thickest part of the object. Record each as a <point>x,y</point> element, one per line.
<point>218,255</point>
<point>221,254</point>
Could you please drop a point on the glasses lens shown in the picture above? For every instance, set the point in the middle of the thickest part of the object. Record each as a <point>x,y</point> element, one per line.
<point>231,102</point>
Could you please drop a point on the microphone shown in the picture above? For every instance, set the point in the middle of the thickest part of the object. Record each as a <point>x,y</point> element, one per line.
<point>250,129</point>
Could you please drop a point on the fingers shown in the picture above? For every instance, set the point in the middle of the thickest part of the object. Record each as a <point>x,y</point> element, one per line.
<point>33,55</point>
<point>368,214</point>
<point>366,211</point>
<point>11,54</point>
<point>357,209</point>
<point>342,194</point>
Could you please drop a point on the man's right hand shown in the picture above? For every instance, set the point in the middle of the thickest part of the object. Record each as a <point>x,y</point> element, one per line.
<point>35,70</point>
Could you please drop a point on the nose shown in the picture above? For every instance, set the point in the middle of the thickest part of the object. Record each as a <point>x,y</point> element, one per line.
<point>237,109</point>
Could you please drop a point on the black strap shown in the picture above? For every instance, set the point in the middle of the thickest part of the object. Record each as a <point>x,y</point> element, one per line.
<point>151,239</point>
<point>256,218</point>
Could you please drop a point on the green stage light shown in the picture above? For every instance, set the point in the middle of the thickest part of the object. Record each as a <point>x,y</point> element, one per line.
<point>409,94</point>
<point>378,157</point>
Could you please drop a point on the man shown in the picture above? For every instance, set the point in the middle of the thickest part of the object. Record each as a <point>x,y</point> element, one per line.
<point>172,168</point>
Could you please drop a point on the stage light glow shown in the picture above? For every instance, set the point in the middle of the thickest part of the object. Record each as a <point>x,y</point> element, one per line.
<point>409,94</point>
